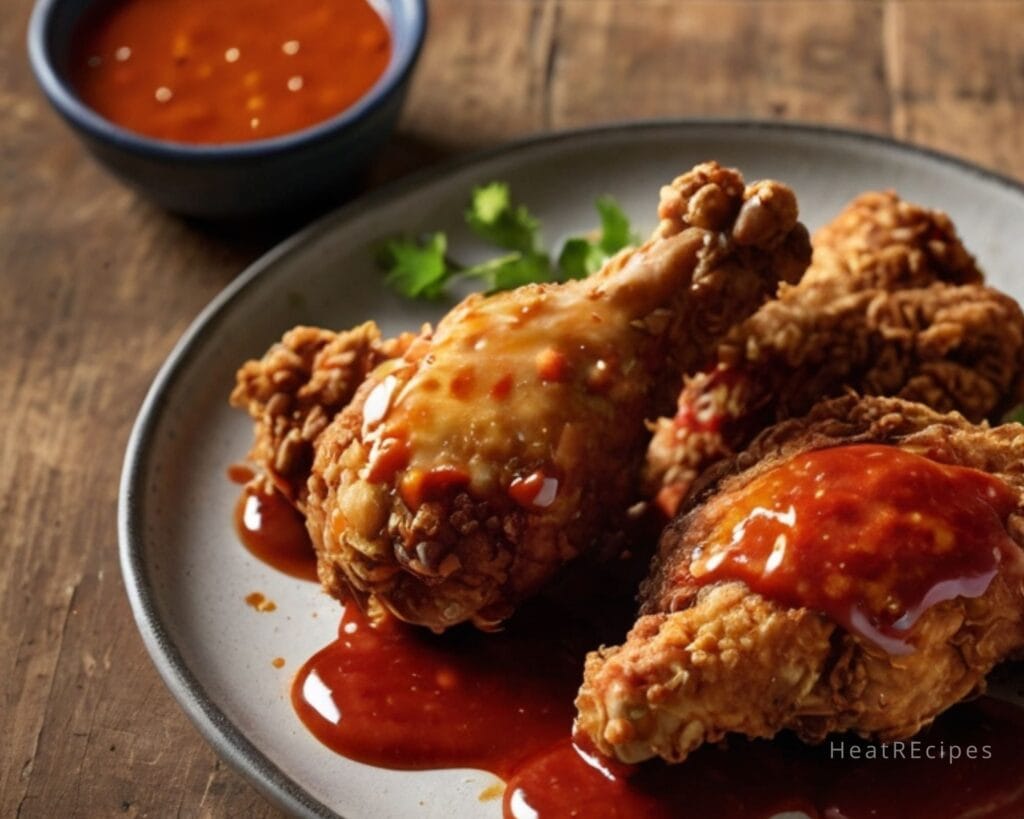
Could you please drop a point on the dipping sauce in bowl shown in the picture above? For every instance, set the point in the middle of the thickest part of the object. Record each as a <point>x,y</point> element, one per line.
<point>221,71</point>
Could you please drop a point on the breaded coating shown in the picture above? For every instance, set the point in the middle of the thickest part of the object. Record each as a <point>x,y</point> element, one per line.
<point>891,305</point>
<point>464,474</point>
<point>297,388</point>
<point>881,241</point>
<point>706,660</point>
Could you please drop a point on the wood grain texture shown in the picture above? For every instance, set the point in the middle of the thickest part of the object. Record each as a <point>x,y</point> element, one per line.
<point>956,78</point>
<point>801,60</point>
<point>97,285</point>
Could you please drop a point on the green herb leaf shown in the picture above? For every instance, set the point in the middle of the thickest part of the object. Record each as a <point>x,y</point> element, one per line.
<point>421,269</point>
<point>513,270</point>
<point>1015,416</point>
<point>418,269</point>
<point>615,228</point>
<point>579,258</point>
<point>493,217</point>
<point>584,255</point>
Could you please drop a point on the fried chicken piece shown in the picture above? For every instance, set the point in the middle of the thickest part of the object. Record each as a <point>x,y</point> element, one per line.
<point>465,473</point>
<point>297,388</point>
<point>710,655</point>
<point>881,241</point>
<point>952,348</point>
<point>891,305</point>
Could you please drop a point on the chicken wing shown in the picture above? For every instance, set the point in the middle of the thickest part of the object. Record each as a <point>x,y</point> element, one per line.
<point>754,621</point>
<point>891,305</point>
<point>466,472</point>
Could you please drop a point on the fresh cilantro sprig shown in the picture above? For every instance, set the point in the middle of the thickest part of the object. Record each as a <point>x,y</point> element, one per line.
<point>421,268</point>
<point>1015,416</point>
<point>584,255</point>
<point>492,215</point>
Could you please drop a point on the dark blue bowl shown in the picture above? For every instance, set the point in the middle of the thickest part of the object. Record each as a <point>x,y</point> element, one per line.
<point>236,179</point>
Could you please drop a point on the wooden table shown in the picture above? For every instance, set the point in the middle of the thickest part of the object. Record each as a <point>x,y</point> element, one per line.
<point>98,284</point>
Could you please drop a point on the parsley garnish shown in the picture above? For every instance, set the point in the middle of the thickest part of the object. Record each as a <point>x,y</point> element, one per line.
<point>1015,416</point>
<point>492,216</point>
<point>417,269</point>
<point>421,269</point>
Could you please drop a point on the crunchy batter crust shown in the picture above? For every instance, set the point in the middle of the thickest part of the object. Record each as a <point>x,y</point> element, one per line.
<point>704,661</point>
<point>891,305</point>
<point>625,336</point>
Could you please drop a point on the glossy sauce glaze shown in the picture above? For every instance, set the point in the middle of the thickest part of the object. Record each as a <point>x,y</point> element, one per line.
<point>399,697</point>
<point>491,403</point>
<point>216,71</point>
<point>396,697</point>
<point>701,430</point>
<point>870,535</point>
<point>759,779</point>
<point>716,402</point>
<point>272,530</point>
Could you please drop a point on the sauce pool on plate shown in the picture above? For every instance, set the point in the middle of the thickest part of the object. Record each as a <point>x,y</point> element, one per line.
<point>965,764</point>
<point>395,696</point>
<point>219,71</point>
<point>398,697</point>
<point>272,530</point>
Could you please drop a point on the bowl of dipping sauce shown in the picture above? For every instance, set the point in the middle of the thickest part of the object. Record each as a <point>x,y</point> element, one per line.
<point>229,108</point>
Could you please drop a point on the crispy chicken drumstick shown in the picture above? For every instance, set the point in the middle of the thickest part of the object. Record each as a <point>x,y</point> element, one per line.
<point>891,305</point>
<point>464,474</point>
<point>466,470</point>
<point>860,569</point>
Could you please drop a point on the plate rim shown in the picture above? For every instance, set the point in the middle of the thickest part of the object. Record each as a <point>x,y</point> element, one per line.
<point>224,737</point>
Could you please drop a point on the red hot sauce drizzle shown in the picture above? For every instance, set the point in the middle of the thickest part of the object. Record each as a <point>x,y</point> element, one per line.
<point>744,779</point>
<point>272,530</point>
<point>870,535</point>
<point>704,415</point>
<point>399,697</point>
<point>394,696</point>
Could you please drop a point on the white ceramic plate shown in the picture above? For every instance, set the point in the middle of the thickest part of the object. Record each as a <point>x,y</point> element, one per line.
<point>186,573</point>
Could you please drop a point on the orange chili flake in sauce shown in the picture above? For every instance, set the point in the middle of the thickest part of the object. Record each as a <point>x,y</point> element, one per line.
<point>419,485</point>
<point>502,387</point>
<point>215,71</point>
<point>534,491</point>
<point>463,383</point>
<point>552,365</point>
<point>870,535</point>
